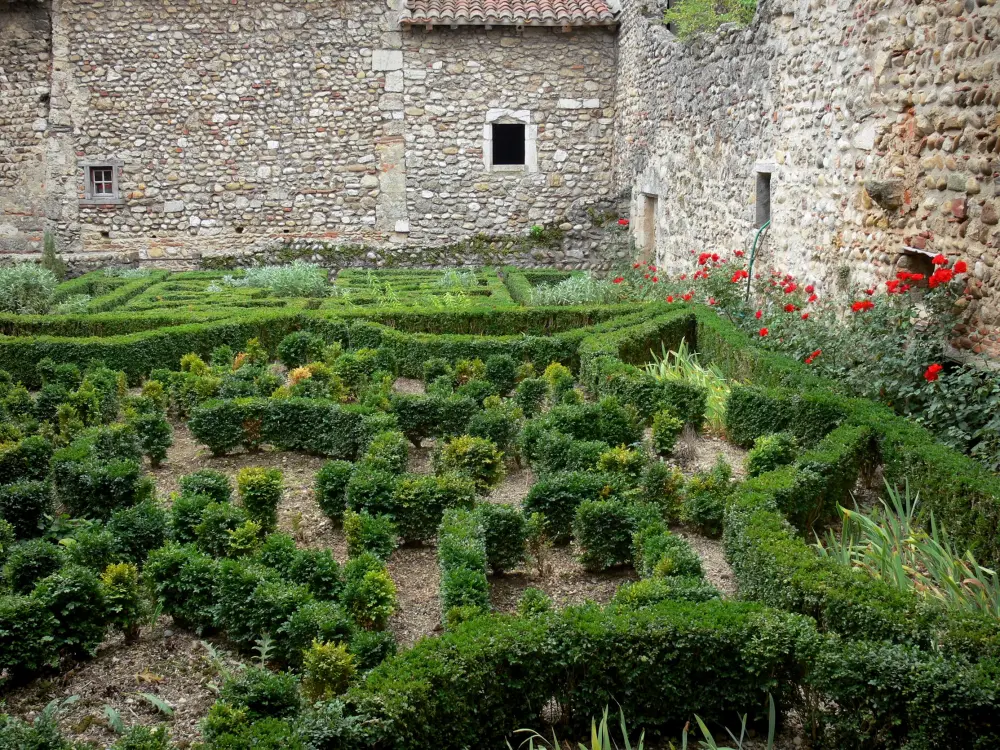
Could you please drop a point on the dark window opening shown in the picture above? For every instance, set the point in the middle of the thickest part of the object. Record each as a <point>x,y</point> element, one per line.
<point>102,182</point>
<point>763,198</point>
<point>508,144</point>
<point>239,230</point>
<point>106,235</point>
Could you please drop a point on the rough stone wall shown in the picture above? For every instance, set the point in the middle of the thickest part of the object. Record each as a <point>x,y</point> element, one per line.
<point>878,119</point>
<point>25,36</point>
<point>242,126</point>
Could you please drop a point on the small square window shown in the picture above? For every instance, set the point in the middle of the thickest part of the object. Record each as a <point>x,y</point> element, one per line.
<point>101,184</point>
<point>508,144</point>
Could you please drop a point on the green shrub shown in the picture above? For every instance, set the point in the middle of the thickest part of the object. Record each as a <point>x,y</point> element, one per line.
<point>155,435</point>
<point>185,515</point>
<point>667,427</point>
<point>372,647</point>
<point>315,620</point>
<point>462,557</point>
<point>705,498</point>
<point>651,591</point>
<point>371,489</point>
<point>260,494</point>
<point>319,570</point>
<point>94,488</point>
<point>48,400</point>
<point>388,450</point>
<point>144,738</point>
<point>209,482</point>
<point>138,530</point>
<point>183,579</point>
<point>550,451</point>
<point>123,599</point>
<point>602,530</point>
<point>431,415</point>
<point>534,602</point>
<point>501,370</point>
<point>437,367</point>
<point>367,533</point>
<point>248,596</point>
<point>607,421</point>
<point>215,529</point>
<point>499,424</point>
<point>662,485</point>
<point>369,593</point>
<point>30,561</point>
<point>74,597</point>
<point>419,502</point>
<point>25,505</point>
<point>331,488</point>
<point>558,495</point>
<point>263,694</point>
<point>530,396</point>
<point>28,459</point>
<point>92,546</point>
<point>658,553</point>
<point>225,424</point>
<point>26,636</point>
<point>770,452</point>
<point>328,669</point>
<point>299,348</point>
<point>626,462</point>
<point>505,532</point>
<point>477,458</point>
<point>26,289</point>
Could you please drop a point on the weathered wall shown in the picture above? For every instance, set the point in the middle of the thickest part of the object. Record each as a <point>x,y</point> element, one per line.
<point>242,125</point>
<point>890,94</point>
<point>24,93</point>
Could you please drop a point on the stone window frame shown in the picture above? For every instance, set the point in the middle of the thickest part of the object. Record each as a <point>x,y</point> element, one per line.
<point>89,197</point>
<point>512,117</point>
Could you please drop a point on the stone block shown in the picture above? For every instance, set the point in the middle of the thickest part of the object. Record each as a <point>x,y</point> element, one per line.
<point>387,59</point>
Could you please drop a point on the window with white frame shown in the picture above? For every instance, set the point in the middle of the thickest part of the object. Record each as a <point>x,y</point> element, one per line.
<point>101,183</point>
<point>509,141</point>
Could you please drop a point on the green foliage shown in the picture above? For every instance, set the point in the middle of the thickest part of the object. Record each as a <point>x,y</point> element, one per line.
<point>705,498</point>
<point>263,694</point>
<point>26,289</point>
<point>530,395</point>
<point>667,427</point>
<point>298,279</point>
<point>770,452</point>
<point>27,459</point>
<point>505,532</point>
<point>144,738</point>
<point>689,18</point>
<point>499,423</point>
<point>660,554</point>
<point>123,599</point>
<point>328,669</point>
<point>651,591</point>
<point>298,348</point>
<point>421,417</point>
<point>50,259</point>
<point>577,290</point>
<point>372,647</point>
<point>369,593</point>
<point>25,506</point>
<point>501,370</point>
<point>76,600</point>
<point>93,488</point>
<point>183,580</point>
<point>462,557</point>
<point>253,600</point>
<point>185,514</point>
<point>534,602</point>
<point>27,644</point>
<point>603,531</point>
<point>138,530</point>
<point>367,533</point>
<point>388,450</point>
<point>477,458</point>
<point>420,501</point>
<point>315,620</point>
<point>260,493</point>
<point>92,546</point>
<point>371,489</point>
<point>155,435</point>
<point>214,531</point>
<point>627,462</point>
<point>558,495</point>
<point>331,488</point>
<point>30,561</point>
<point>661,485</point>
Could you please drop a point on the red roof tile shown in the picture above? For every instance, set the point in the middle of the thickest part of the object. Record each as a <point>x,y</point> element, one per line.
<point>509,12</point>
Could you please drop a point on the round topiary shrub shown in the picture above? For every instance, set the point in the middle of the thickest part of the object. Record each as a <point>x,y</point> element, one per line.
<point>477,458</point>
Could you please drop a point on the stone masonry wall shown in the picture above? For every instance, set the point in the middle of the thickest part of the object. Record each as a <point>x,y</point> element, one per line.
<point>877,118</point>
<point>242,126</point>
<point>25,41</point>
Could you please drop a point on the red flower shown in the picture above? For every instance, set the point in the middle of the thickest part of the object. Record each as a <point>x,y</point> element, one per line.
<point>812,298</point>
<point>636,265</point>
<point>763,331</point>
<point>932,372</point>
<point>862,306</point>
<point>805,316</point>
<point>940,276</point>
<point>670,298</point>
<point>789,308</point>
<point>810,289</point>
<point>715,257</point>
<point>740,275</point>
<point>703,258</point>
<point>711,300</point>
<point>790,288</point>
<point>652,267</point>
<point>961,267</point>
<point>655,279</point>
<point>892,285</point>
<point>618,280</point>
<point>683,276</point>
<point>904,288</point>
<point>758,314</point>
<point>738,253</point>
<point>869,292</point>
<point>646,276</point>
<point>939,260</point>
<point>623,222</point>
<point>816,353</point>
<point>809,360</point>
<point>687,297</point>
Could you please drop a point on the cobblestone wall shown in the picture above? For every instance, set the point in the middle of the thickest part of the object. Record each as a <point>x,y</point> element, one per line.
<point>24,94</point>
<point>877,120</point>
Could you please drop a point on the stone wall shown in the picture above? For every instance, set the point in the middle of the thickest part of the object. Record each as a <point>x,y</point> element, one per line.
<point>877,120</point>
<point>25,44</point>
<point>241,127</point>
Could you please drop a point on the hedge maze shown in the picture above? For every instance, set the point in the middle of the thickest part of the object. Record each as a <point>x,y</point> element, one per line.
<point>89,398</point>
